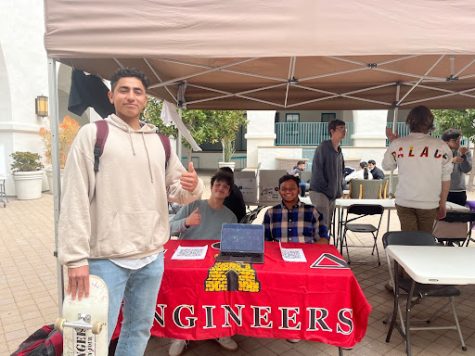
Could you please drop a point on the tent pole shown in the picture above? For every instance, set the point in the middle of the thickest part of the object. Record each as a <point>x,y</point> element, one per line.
<point>395,115</point>
<point>54,123</point>
<point>178,140</point>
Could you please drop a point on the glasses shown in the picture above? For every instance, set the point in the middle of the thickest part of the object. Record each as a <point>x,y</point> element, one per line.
<point>341,128</point>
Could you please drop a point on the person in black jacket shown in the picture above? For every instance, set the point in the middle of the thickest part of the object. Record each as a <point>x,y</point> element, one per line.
<point>235,200</point>
<point>375,171</point>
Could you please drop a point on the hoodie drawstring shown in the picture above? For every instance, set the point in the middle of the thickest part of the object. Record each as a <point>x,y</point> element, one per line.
<point>131,141</point>
<point>148,158</point>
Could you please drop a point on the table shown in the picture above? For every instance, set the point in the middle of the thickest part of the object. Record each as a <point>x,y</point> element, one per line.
<point>205,299</point>
<point>342,204</point>
<point>423,265</point>
<point>387,204</point>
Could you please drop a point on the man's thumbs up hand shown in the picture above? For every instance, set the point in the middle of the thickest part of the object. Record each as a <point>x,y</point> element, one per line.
<point>189,179</point>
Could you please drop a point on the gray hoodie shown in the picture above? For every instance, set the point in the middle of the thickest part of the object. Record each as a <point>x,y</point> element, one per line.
<point>327,170</point>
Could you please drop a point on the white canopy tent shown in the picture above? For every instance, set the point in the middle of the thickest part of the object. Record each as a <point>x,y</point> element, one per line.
<point>258,54</point>
<point>297,55</point>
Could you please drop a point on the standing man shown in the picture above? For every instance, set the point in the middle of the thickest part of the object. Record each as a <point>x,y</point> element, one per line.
<point>326,184</point>
<point>114,222</point>
<point>424,167</point>
<point>292,220</point>
<point>375,171</point>
<point>462,160</point>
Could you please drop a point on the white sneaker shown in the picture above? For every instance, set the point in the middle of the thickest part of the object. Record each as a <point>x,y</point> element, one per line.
<point>293,341</point>
<point>227,343</point>
<point>177,347</point>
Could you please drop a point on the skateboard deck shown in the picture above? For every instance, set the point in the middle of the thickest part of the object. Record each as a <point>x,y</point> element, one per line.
<point>84,322</point>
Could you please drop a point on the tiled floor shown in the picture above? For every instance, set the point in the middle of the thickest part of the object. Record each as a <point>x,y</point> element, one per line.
<point>28,297</point>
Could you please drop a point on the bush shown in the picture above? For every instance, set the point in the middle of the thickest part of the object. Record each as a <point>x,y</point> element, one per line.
<point>26,162</point>
<point>67,130</point>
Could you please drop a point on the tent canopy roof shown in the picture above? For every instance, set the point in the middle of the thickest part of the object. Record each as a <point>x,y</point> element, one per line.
<point>299,55</point>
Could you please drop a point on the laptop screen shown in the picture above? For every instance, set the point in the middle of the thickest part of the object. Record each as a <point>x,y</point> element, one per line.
<point>242,238</point>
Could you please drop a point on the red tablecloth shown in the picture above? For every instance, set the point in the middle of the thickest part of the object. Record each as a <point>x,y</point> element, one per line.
<point>276,299</point>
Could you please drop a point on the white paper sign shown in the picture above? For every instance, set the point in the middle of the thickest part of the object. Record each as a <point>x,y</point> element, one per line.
<point>292,254</point>
<point>190,253</point>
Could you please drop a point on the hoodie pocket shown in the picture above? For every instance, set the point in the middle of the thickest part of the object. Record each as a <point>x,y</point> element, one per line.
<point>130,233</point>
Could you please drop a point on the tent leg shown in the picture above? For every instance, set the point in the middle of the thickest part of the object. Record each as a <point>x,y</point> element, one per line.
<point>395,115</point>
<point>54,123</point>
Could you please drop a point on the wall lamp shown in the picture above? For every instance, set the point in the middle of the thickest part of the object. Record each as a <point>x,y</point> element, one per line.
<point>41,106</point>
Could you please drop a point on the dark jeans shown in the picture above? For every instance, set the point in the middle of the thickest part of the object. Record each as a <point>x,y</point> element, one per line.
<point>459,198</point>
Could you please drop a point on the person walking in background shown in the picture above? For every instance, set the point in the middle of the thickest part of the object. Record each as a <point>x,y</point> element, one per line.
<point>424,165</point>
<point>235,200</point>
<point>375,171</point>
<point>326,184</point>
<point>114,222</point>
<point>462,160</point>
<point>296,171</point>
<point>362,173</point>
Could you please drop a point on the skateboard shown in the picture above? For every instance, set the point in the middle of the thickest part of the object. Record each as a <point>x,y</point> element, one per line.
<point>84,322</point>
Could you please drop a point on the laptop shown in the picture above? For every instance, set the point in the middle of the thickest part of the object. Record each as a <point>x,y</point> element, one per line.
<point>242,243</point>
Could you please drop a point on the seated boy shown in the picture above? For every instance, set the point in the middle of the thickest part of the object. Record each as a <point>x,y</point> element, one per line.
<point>202,220</point>
<point>292,220</point>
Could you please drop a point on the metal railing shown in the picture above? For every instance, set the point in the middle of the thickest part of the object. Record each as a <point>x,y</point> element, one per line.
<point>307,133</point>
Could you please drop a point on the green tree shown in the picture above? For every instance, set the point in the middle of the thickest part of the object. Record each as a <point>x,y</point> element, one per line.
<point>227,124</point>
<point>464,120</point>
<point>206,126</point>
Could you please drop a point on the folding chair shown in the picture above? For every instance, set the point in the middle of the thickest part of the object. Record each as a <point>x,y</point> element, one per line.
<point>416,291</point>
<point>456,228</point>
<point>357,212</point>
<point>355,189</point>
<point>372,189</point>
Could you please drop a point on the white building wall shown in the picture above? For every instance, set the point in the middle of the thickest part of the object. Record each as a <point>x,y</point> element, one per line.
<point>369,128</point>
<point>260,132</point>
<point>23,73</point>
<point>369,139</point>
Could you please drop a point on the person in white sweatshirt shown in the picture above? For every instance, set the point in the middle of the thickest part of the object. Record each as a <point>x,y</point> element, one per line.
<point>114,222</point>
<point>424,167</point>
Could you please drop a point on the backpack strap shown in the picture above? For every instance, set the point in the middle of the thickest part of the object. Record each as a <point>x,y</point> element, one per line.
<point>166,146</point>
<point>101,137</point>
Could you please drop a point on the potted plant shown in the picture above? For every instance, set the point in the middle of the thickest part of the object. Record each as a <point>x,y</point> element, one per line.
<point>27,174</point>
<point>66,133</point>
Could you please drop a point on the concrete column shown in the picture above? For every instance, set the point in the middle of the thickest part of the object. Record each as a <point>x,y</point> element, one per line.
<point>369,128</point>
<point>261,132</point>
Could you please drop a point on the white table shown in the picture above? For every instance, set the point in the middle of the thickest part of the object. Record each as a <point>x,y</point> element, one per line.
<point>429,265</point>
<point>387,204</point>
<point>424,263</point>
<point>342,204</point>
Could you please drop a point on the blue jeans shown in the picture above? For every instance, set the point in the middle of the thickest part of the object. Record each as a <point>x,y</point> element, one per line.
<point>139,290</point>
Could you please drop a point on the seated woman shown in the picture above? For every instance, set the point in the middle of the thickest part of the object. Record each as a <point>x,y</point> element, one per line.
<point>362,173</point>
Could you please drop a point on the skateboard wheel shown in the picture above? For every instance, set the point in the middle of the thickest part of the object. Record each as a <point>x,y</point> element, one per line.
<point>96,328</point>
<point>58,324</point>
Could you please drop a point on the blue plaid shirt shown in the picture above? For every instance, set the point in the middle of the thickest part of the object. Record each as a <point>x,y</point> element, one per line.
<point>299,224</point>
